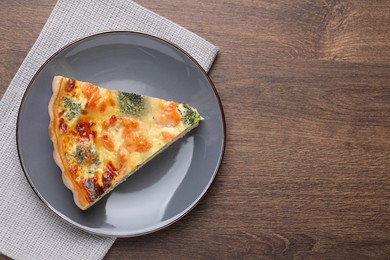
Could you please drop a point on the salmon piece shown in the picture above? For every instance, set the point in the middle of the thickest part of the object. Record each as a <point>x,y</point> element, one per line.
<point>168,115</point>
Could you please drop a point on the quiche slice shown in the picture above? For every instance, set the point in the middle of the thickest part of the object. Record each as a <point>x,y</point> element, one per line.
<point>102,136</point>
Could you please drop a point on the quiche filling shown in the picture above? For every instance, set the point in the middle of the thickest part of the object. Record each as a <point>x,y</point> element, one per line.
<point>102,136</point>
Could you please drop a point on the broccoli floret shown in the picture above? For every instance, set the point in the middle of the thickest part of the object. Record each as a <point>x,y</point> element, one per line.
<point>73,108</point>
<point>86,155</point>
<point>131,103</point>
<point>191,116</point>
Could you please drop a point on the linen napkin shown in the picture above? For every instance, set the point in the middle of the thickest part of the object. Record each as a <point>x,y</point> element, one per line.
<point>28,229</point>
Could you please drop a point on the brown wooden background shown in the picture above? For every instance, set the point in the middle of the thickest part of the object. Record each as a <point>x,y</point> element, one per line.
<point>305,86</point>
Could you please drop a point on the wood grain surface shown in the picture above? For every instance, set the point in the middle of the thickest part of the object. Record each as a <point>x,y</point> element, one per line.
<point>305,85</point>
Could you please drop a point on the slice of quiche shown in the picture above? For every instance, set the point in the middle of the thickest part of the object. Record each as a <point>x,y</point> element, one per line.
<point>102,136</point>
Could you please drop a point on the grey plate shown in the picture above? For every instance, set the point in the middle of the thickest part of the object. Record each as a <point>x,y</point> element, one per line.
<point>167,187</point>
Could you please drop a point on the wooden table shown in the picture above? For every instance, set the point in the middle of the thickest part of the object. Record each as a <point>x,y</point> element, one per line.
<point>306,91</point>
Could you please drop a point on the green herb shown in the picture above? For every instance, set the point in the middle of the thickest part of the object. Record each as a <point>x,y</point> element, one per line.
<point>191,116</point>
<point>131,103</point>
<point>80,155</point>
<point>73,108</point>
<point>94,164</point>
<point>96,161</point>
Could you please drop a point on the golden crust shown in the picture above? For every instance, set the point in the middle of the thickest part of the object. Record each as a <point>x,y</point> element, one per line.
<point>78,194</point>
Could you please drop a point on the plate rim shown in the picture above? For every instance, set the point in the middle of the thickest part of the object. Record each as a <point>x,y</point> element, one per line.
<point>169,221</point>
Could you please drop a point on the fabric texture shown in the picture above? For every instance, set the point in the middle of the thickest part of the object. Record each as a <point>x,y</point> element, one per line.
<point>28,229</point>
